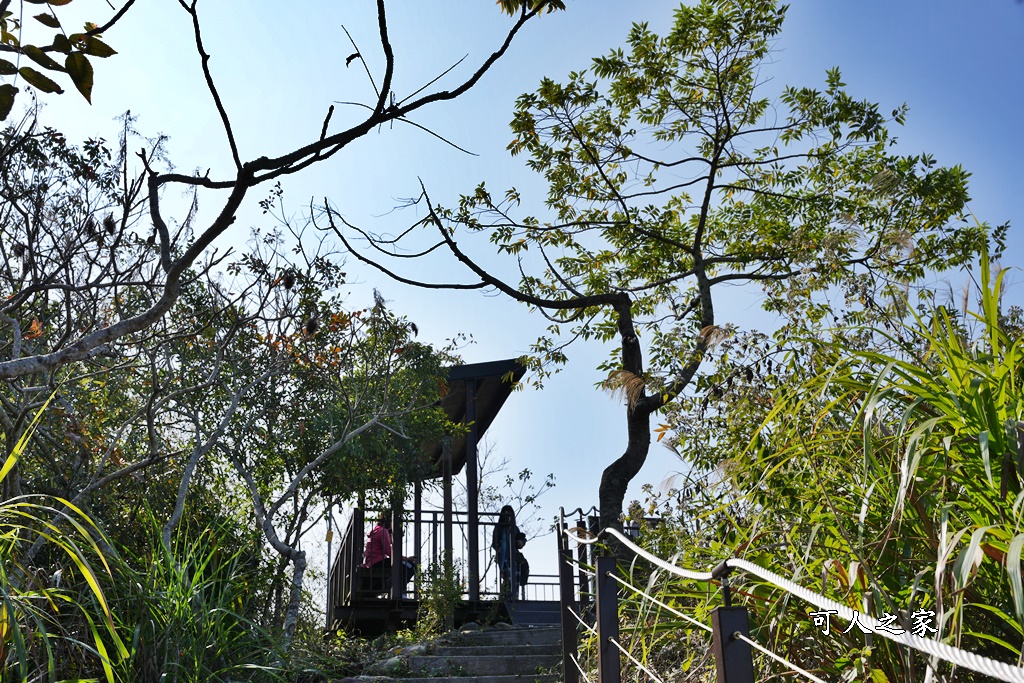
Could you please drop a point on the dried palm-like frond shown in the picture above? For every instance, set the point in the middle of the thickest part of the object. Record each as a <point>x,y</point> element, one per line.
<point>626,384</point>
<point>713,334</point>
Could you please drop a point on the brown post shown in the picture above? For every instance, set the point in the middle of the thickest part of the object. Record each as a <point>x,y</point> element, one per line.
<point>446,456</point>
<point>570,628</point>
<point>607,621</point>
<point>733,657</point>
<point>472,504</point>
<point>435,537</point>
<point>358,545</point>
<point>417,533</point>
<point>397,570</point>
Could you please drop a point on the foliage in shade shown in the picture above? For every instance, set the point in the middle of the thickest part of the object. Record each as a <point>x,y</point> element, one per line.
<point>189,613</point>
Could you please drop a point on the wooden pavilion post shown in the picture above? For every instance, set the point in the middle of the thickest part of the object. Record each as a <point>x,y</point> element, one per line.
<point>417,532</point>
<point>447,465</point>
<point>397,570</point>
<point>359,527</point>
<point>473,532</point>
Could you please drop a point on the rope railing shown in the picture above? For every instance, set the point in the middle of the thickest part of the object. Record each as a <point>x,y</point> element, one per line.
<point>731,630</point>
<point>777,658</point>
<point>630,657</point>
<point>590,629</point>
<point>583,674</point>
<point>656,601</point>
<point>581,568</point>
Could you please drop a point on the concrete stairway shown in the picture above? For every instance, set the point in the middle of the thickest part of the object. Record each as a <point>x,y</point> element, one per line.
<point>498,655</point>
<point>534,612</point>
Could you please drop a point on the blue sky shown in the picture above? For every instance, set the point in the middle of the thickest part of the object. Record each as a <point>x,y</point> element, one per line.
<point>959,65</point>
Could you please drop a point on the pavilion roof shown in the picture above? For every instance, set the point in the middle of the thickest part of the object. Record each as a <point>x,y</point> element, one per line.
<point>495,380</point>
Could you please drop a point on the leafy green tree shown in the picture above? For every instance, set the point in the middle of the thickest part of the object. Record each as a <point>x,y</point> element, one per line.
<point>673,174</point>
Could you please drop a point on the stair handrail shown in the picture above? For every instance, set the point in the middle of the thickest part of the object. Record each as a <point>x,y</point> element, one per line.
<point>731,638</point>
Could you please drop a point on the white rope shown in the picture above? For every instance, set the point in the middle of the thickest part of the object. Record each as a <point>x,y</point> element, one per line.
<point>582,623</point>
<point>653,559</point>
<point>968,660</point>
<point>632,659</point>
<point>579,567</point>
<point>579,668</point>
<point>777,658</point>
<point>685,617</point>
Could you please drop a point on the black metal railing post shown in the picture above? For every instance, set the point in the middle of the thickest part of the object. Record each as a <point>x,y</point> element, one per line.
<point>589,556</point>
<point>734,659</point>
<point>607,605</point>
<point>570,629</point>
<point>586,589</point>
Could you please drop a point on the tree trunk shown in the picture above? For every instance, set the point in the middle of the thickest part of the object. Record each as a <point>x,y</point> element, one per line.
<point>617,476</point>
<point>291,615</point>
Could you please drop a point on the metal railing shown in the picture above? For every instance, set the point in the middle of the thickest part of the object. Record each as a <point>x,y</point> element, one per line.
<point>423,538</point>
<point>600,582</point>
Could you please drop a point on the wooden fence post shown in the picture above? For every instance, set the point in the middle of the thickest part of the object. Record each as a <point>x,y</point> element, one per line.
<point>570,629</point>
<point>607,604</point>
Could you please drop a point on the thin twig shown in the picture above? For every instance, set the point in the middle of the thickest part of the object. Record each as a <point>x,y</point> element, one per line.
<point>433,81</point>
<point>205,58</point>
<point>361,59</point>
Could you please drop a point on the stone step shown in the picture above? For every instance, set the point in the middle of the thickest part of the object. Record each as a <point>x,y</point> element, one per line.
<point>524,635</point>
<point>496,650</point>
<point>533,612</point>
<point>494,665</point>
<point>546,678</point>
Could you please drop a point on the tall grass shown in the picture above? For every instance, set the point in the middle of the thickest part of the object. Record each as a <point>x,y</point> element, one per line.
<point>54,621</point>
<point>187,613</point>
<point>890,481</point>
<point>182,614</point>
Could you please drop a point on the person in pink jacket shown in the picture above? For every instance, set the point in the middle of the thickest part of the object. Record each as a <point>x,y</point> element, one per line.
<point>377,556</point>
<point>378,544</point>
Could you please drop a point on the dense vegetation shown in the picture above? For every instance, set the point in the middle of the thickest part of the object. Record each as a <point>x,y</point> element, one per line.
<point>885,474</point>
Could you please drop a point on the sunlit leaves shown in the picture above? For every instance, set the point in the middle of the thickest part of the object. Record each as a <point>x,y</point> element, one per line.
<point>904,462</point>
<point>30,618</point>
<point>514,7</point>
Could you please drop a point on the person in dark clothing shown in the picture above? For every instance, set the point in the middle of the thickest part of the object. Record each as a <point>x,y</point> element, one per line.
<point>524,566</point>
<point>504,545</point>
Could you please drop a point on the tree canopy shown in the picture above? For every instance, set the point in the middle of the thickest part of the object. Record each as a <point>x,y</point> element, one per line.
<point>674,172</point>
